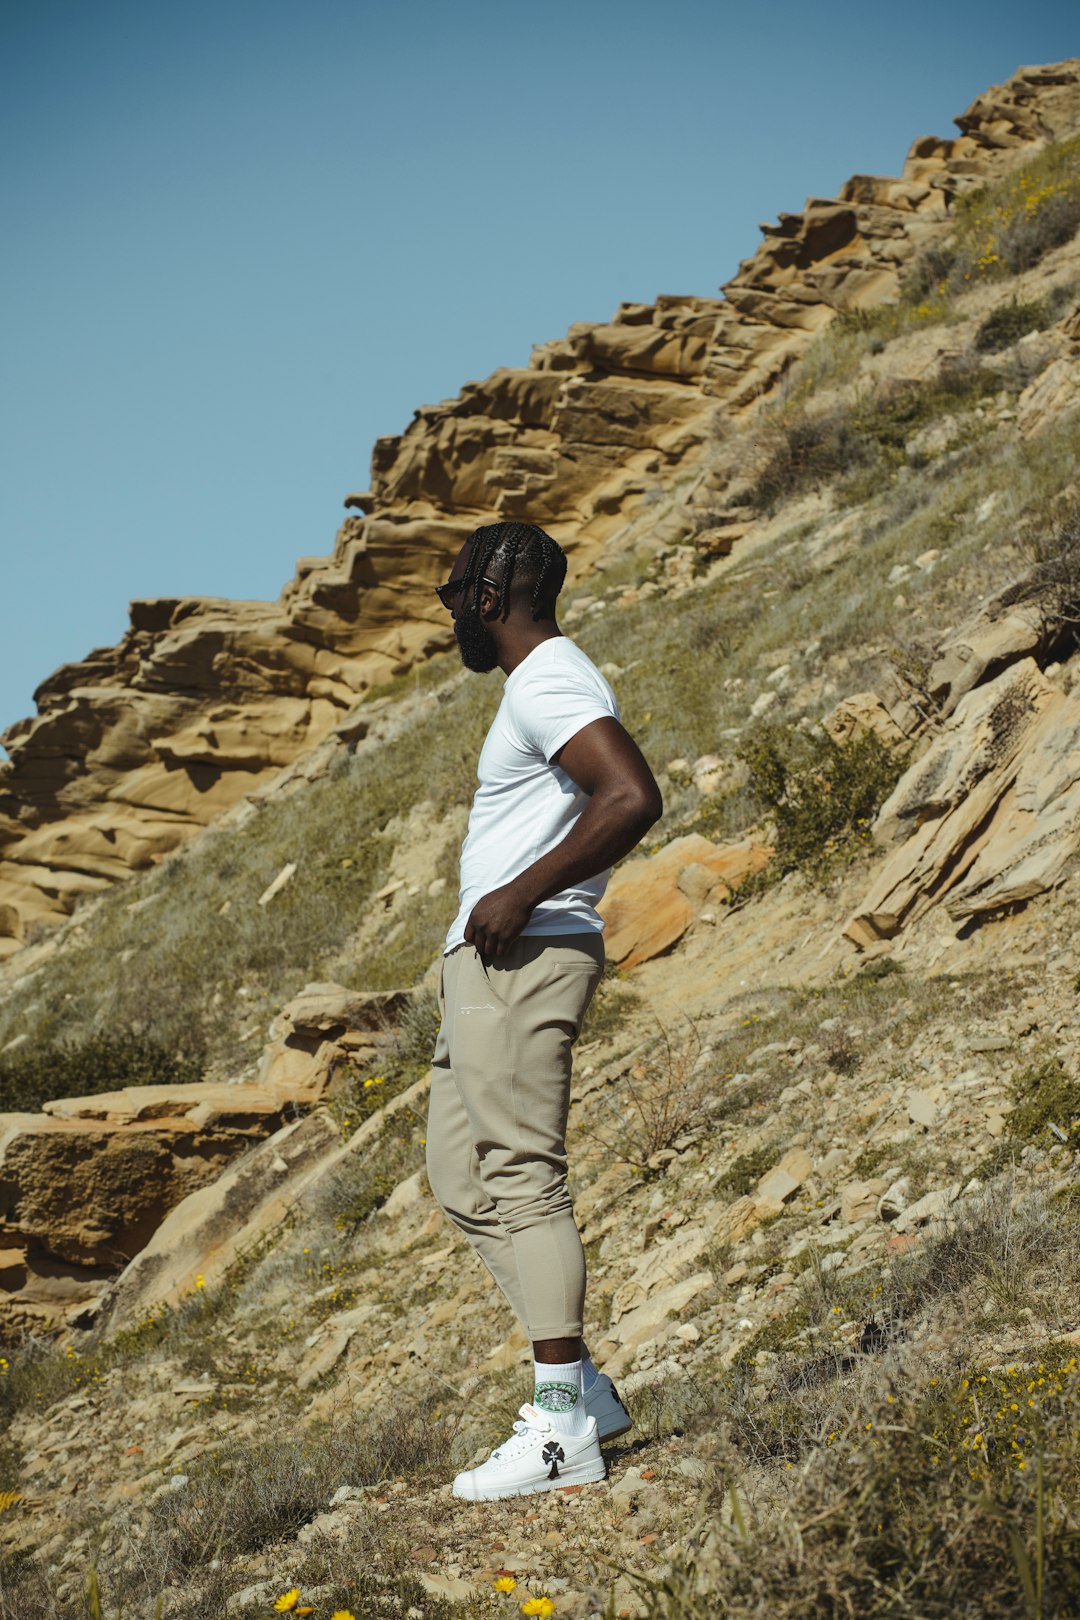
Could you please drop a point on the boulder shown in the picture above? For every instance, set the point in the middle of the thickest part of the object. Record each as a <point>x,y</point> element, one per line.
<point>318,1029</point>
<point>651,902</point>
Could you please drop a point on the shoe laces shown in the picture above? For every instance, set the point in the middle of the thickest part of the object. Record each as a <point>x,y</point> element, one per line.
<point>527,1429</point>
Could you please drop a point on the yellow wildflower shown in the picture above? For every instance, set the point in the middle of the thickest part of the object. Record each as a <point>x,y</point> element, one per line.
<point>288,1600</point>
<point>540,1605</point>
<point>505,1583</point>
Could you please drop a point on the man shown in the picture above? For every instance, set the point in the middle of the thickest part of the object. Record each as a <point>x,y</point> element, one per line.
<point>563,793</point>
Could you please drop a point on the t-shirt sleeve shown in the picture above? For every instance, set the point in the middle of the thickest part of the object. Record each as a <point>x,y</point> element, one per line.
<point>550,709</point>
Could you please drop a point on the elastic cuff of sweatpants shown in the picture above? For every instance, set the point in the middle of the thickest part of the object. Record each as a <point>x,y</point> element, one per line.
<point>557,1330</point>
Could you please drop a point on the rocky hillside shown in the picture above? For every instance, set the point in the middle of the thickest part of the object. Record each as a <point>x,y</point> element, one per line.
<point>204,701</point>
<point>826,1115</point>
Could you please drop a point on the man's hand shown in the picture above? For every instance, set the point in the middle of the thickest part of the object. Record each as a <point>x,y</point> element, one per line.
<point>497,919</point>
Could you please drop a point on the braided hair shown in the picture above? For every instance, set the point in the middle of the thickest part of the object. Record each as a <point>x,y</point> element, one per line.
<point>521,549</point>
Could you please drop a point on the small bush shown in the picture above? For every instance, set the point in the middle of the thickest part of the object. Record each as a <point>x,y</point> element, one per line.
<point>1051,544</point>
<point>746,1171</point>
<point>33,1074</point>
<point>665,1093</point>
<point>1010,322</point>
<point>806,450</point>
<point>821,795</point>
<point>1044,1095</point>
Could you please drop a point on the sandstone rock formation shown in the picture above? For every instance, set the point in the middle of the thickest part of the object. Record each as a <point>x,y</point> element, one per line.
<point>649,904</point>
<point>989,815</point>
<point>203,701</point>
<point>88,1184</point>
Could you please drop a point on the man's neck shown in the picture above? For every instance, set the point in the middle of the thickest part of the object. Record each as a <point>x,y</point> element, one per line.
<point>523,640</point>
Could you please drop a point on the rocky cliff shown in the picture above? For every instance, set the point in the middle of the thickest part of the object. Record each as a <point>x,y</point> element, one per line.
<point>141,744</point>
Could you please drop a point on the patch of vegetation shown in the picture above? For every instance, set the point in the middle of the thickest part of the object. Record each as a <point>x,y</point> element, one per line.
<point>1009,225</point>
<point>1044,1096</point>
<point>1008,323</point>
<point>870,1160</point>
<point>34,1074</point>
<point>820,795</point>
<point>807,447</point>
<point>842,1051</point>
<point>665,1093</point>
<point>746,1171</point>
<point>361,1183</point>
<point>1050,541</point>
<point>920,1500</point>
<point>613,1005</point>
<point>880,967</point>
<point>247,1497</point>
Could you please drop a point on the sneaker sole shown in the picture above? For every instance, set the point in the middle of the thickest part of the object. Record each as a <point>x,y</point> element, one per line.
<point>583,1474</point>
<point>613,1434</point>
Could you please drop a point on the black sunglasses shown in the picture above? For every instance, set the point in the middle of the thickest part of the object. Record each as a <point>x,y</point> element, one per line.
<point>447,592</point>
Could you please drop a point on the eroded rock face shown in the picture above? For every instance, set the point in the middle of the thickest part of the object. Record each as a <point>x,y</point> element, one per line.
<point>82,1192</point>
<point>989,815</point>
<point>203,701</point>
<point>88,1184</point>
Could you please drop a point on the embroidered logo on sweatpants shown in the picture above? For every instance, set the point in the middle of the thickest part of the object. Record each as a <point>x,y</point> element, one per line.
<point>484,1007</point>
<point>556,1397</point>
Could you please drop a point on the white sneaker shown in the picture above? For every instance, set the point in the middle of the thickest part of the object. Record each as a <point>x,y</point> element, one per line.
<point>604,1403</point>
<point>535,1458</point>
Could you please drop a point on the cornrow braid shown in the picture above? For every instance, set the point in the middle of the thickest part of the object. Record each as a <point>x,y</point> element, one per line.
<point>517,547</point>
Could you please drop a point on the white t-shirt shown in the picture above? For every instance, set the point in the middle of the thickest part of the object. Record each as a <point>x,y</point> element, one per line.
<point>524,805</point>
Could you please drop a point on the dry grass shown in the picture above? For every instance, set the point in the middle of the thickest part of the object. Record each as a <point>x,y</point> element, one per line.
<point>663,1096</point>
<point>856,1473</point>
<point>218,1530</point>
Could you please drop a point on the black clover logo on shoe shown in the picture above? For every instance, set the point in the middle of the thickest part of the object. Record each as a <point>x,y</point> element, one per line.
<point>554,1454</point>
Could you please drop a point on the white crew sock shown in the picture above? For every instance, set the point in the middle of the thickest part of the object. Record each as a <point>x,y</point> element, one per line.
<point>560,1395</point>
<point>590,1372</point>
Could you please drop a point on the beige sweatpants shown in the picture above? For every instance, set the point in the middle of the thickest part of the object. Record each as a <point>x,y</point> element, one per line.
<point>496,1135</point>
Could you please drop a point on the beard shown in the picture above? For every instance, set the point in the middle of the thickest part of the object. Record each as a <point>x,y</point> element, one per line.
<point>475,642</point>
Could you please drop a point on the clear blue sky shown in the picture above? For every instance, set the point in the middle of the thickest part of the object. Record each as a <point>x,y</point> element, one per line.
<point>244,238</point>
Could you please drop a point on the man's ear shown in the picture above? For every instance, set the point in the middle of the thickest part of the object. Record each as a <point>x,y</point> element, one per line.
<point>489,600</point>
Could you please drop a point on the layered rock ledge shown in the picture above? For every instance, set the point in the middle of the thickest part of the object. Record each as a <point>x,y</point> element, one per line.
<point>203,701</point>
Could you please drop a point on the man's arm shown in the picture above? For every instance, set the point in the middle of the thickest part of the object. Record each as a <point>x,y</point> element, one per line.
<point>624,802</point>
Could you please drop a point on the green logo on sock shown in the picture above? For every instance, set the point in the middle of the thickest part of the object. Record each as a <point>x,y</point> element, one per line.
<point>556,1397</point>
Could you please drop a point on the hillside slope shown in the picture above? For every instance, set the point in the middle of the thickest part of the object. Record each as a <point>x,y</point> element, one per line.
<point>203,701</point>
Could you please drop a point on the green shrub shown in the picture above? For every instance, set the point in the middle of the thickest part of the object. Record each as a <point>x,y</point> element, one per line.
<point>806,448</point>
<point>1009,322</point>
<point>1044,1095</point>
<point>821,795</point>
<point>34,1074</point>
<point>746,1171</point>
